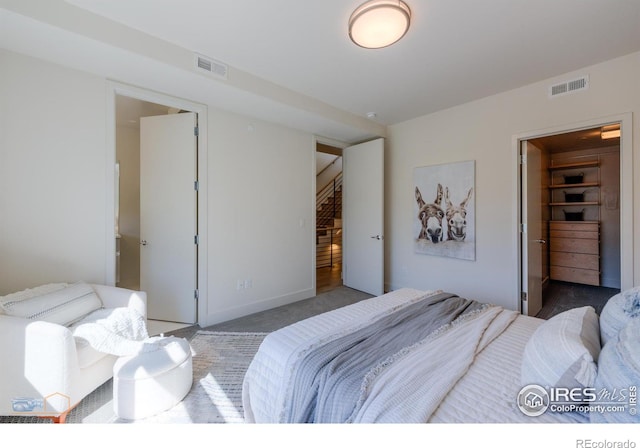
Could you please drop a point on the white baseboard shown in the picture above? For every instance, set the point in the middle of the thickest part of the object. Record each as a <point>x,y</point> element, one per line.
<point>255,307</point>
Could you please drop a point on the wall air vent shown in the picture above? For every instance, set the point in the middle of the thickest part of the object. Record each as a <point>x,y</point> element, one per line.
<point>211,66</point>
<point>574,85</point>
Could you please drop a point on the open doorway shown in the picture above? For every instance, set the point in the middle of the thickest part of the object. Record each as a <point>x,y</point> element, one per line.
<point>573,220</point>
<point>129,111</point>
<point>328,217</point>
<point>177,119</point>
<point>155,218</point>
<point>356,236</point>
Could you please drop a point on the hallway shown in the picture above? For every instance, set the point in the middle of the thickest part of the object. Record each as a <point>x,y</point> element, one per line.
<point>328,278</point>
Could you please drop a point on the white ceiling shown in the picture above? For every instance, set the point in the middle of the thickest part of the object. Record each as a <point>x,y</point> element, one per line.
<point>455,51</point>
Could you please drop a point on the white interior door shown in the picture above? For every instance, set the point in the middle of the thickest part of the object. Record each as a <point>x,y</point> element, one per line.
<point>168,199</point>
<point>363,217</point>
<point>532,235</point>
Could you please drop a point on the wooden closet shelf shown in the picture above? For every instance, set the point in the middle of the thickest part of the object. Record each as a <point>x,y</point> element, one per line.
<point>575,203</point>
<point>566,166</point>
<point>582,185</point>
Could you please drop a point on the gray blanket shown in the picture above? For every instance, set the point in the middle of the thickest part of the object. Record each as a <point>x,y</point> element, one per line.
<point>328,381</point>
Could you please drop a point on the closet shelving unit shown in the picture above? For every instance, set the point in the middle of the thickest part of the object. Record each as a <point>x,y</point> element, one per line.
<point>583,185</point>
<point>575,245</point>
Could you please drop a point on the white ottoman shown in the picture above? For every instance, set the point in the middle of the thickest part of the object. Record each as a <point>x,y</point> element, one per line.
<point>154,381</point>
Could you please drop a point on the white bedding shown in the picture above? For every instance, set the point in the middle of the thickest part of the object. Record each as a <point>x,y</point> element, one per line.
<point>484,389</point>
<point>265,387</point>
<point>411,387</point>
<point>487,393</point>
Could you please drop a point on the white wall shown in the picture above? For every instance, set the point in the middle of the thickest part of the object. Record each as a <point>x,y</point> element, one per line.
<point>52,174</point>
<point>53,186</point>
<point>483,131</point>
<point>53,193</point>
<point>261,202</point>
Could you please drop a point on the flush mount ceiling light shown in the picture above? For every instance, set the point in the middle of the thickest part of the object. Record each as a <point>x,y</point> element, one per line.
<point>379,23</point>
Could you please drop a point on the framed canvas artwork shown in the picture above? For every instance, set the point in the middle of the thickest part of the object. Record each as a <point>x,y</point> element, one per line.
<point>444,210</point>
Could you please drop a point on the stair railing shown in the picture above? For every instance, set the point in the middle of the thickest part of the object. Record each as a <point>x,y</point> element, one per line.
<point>329,190</point>
<point>334,250</point>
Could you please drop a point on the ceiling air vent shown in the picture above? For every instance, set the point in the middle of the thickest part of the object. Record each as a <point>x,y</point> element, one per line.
<point>211,66</point>
<point>574,85</point>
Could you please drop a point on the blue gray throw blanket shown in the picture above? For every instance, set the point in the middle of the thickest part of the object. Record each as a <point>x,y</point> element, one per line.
<point>327,385</point>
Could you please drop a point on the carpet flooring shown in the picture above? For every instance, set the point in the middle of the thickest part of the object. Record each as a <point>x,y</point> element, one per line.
<point>276,318</point>
<point>562,296</point>
<point>219,363</point>
<point>220,360</point>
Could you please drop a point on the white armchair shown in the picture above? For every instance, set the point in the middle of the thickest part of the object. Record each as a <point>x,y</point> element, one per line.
<point>45,372</point>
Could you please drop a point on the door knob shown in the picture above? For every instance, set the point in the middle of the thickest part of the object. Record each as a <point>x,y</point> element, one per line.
<point>376,237</point>
<point>540,241</point>
<point>143,242</point>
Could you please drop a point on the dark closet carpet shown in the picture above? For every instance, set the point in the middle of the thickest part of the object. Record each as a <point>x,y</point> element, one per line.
<point>562,296</point>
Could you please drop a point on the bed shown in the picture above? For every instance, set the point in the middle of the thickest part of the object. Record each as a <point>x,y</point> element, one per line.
<point>413,356</point>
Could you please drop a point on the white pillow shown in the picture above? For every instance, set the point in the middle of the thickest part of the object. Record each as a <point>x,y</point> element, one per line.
<point>617,313</point>
<point>618,372</point>
<point>563,351</point>
<point>31,292</point>
<point>60,306</point>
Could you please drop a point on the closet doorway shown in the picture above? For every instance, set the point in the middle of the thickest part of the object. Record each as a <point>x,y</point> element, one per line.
<point>571,244</point>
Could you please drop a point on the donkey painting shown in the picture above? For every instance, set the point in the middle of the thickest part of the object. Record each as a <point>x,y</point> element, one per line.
<point>456,217</point>
<point>430,216</point>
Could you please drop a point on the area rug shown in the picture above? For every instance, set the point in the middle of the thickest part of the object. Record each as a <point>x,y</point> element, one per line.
<point>220,360</point>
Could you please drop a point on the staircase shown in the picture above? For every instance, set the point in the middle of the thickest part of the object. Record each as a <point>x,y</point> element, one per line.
<point>329,224</point>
